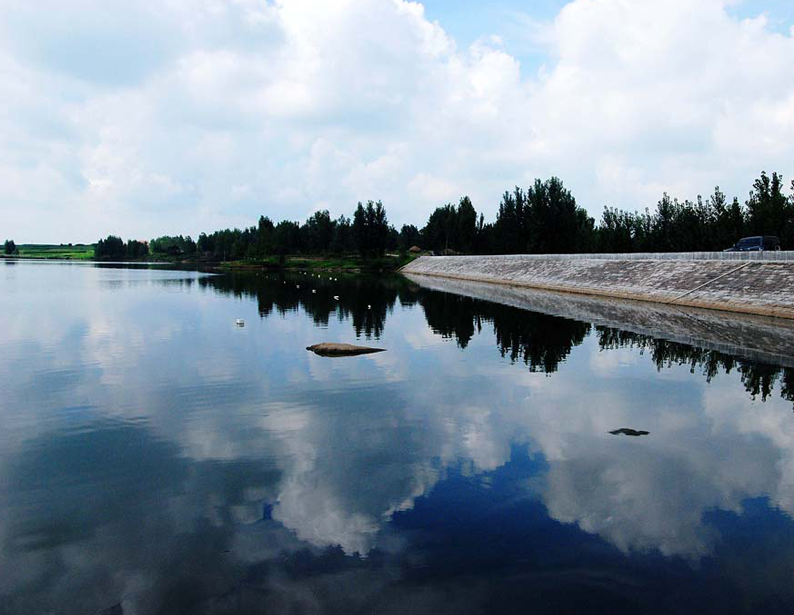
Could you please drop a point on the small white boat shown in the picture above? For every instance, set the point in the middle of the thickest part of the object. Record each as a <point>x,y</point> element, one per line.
<point>239,322</point>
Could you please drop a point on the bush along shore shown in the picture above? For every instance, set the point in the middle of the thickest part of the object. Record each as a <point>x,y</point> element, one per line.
<point>348,263</point>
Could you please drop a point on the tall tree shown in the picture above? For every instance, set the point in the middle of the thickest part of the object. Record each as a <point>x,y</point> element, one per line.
<point>136,249</point>
<point>728,220</point>
<point>769,211</point>
<point>466,226</point>
<point>409,237</point>
<point>286,238</point>
<point>371,229</point>
<point>110,247</point>
<point>319,232</point>
<point>342,243</point>
<point>440,232</point>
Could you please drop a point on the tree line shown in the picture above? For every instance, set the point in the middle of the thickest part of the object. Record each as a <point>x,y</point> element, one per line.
<point>714,223</point>
<point>543,218</point>
<point>113,247</point>
<point>368,234</point>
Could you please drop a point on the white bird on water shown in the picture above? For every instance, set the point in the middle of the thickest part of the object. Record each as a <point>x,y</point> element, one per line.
<point>314,292</point>
<point>336,297</point>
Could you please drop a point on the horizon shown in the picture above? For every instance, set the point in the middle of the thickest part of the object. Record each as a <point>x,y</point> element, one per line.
<point>149,120</point>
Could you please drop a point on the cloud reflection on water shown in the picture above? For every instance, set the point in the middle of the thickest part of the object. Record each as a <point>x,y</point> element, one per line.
<point>174,452</point>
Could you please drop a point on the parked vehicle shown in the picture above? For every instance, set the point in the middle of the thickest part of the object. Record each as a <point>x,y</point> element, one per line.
<point>756,244</point>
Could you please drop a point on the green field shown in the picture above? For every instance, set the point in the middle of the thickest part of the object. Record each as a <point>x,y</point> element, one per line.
<point>67,252</point>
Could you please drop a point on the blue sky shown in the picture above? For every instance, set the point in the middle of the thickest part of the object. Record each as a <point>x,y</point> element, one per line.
<point>148,118</point>
<point>781,12</point>
<point>469,20</point>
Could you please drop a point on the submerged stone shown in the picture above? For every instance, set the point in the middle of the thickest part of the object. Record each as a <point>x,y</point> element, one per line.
<point>629,432</point>
<point>331,349</point>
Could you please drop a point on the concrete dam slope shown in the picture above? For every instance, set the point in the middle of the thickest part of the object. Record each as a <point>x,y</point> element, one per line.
<point>751,283</point>
<point>747,336</point>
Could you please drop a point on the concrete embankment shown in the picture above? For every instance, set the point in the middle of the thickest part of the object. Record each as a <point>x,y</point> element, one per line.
<point>756,338</point>
<point>751,283</point>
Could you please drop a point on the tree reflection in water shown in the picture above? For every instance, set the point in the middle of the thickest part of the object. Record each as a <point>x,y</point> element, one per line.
<point>539,340</point>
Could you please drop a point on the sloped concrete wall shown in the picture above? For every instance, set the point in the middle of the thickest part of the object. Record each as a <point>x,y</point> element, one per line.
<point>757,338</point>
<point>755,285</point>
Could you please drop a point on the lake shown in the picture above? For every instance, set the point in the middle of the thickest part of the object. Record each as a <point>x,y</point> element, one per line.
<point>157,458</point>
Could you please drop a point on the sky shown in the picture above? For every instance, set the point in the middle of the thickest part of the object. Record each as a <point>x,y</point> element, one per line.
<point>181,116</point>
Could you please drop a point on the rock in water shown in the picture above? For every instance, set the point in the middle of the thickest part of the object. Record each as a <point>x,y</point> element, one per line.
<point>330,349</point>
<point>629,432</point>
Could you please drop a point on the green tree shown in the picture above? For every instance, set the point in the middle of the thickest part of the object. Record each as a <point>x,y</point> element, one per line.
<point>205,244</point>
<point>544,219</point>
<point>136,249</point>
<point>10,248</point>
<point>263,242</point>
<point>509,232</point>
<point>110,247</point>
<point>342,243</point>
<point>371,229</point>
<point>616,231</point>
<point>286,238</point>
<point>728,220</point>
<point>466,226</point>
<point>176,245</point>
<point>440,232</point>
<point>319,232</point>
<point>769,211</point>
<point>409,237</point>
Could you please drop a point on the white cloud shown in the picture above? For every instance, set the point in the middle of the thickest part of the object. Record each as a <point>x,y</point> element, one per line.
<point>150,117</point>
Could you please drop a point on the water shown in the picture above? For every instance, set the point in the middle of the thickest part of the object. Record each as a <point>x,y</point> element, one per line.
<point>156,458</point>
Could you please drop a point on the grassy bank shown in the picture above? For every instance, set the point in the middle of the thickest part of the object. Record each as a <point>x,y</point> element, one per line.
<point>352,264</point>
<point>348,263</point>
<point>52,251</point>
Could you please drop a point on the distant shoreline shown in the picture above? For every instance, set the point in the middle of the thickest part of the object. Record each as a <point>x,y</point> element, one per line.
<point>350,264</point>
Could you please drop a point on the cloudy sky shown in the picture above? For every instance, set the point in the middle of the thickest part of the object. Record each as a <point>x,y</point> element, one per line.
<point>181,116</point>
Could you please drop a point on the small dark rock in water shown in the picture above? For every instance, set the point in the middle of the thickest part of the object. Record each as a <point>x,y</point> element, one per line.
<point>629,432</point>
<point>341,350</point>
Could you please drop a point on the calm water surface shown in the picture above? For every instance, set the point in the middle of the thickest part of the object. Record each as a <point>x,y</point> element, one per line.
<point>155,458</point>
